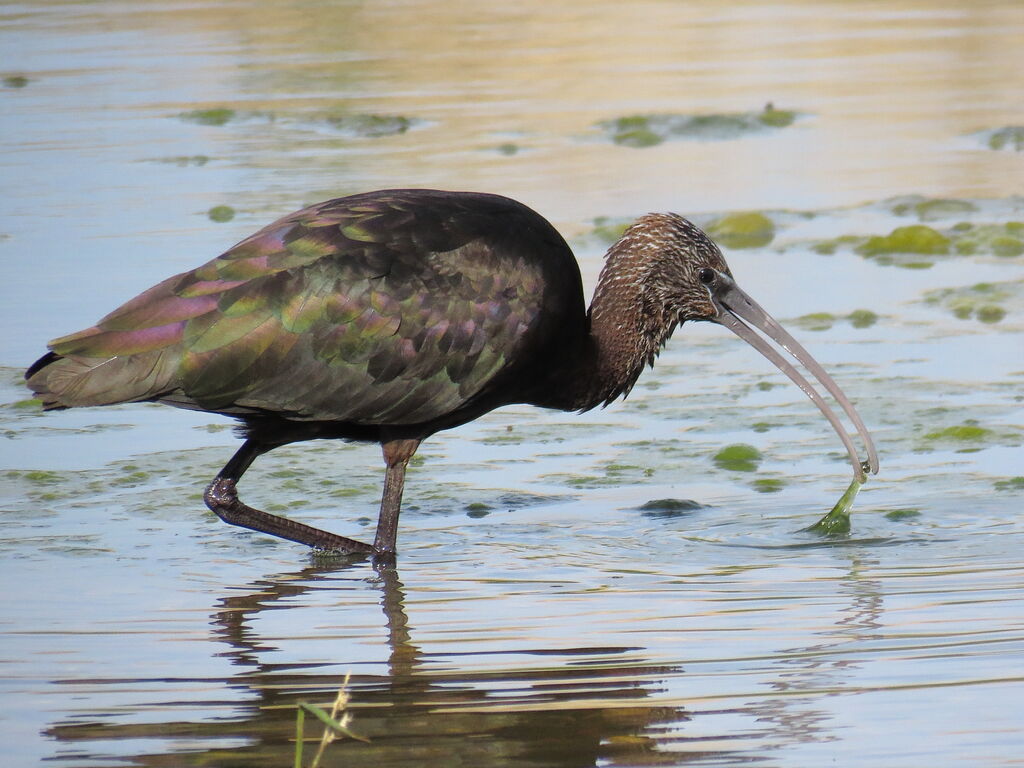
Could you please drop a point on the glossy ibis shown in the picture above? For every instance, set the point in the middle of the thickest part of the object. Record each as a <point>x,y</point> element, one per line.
<point>387,316</point>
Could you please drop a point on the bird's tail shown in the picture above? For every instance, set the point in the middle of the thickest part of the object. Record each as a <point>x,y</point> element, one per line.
<point>68,381</point>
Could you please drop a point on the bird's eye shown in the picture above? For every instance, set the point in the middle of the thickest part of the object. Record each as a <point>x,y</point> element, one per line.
<point>706,275</point>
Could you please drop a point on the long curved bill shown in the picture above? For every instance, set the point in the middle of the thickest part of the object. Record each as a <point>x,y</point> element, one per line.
<point>734,307</point>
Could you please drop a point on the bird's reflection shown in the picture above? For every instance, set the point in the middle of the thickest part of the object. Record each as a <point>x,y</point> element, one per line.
<point>558,715</point>
<point>421,705</point>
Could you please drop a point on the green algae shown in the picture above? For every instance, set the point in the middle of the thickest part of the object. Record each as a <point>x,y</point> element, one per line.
<point>937,208</point>
<point>1009,137</point>
<point>183,161</point>
<point>902,514</point>
<point>1007,246</point>
<point>743,230</point>
<point>669,507</point>
<point>477,509</point>
<point>916,238</point>
<point>776,118</point>
<point>970,437</point>
<point>370,126</point>
<point>738,457</point>
<point>634,131</point>
<point>984,302</point>
<point>816,321</point>
<point>961,433</point>
<point>768,484</point>
<point>823,321</point>
<point>39,476</point>
<point>904,246</point>
<point>221,213</point>
<point>649,130</point>
<point>215,116</point>
<point>837,521</point>
<point>989,313</point>
<point>15,81</point>
<point>1010,484</point>
<point>608,230</point>
<point>29,404</point>
<point>862,318</point>
<point>828,247</point>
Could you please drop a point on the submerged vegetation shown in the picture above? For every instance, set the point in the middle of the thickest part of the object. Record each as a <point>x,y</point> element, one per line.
<point>212,116</point>
<point>822,321</point>
<point>742,230</point>
<point>985,302</point>
<point>648,130</point>
<point>351,124</point>
<point>369,126</point>
<point>915,246</point>
<point>221,213</point>
<point>738,457</point>
<point>1009,138</point>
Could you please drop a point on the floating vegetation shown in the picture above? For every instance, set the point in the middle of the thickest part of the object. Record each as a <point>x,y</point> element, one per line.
<point>738,457</point>
<point>862,318</point>
<point>961,433</point>
<point>816,321</point>
<point>183,161</point>
<point>903,514</point>
<point>1010,484</point>
<point>768,485</point>
<point>917,238</point>
<point>221,213</point>
<point>742,230</point>
<point>477,509</point>
<point>30,403</point>
<point>823,321</point>
<point>970,437</point>
<point>905,246</point>
<point>608,230</point>
<point>212,116</point>
<point>669,507</point>
<point>1009,138</point>
<point>984,302</point>
<point>36,476</point>
<point>508,149</point>
<point>15,81</point>
<point>649,130</point>
<point>370,126</point>
<point>837,521</point>
<point>935,208</point>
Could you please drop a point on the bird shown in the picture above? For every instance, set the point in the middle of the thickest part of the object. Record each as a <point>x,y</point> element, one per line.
<point>387,316</point>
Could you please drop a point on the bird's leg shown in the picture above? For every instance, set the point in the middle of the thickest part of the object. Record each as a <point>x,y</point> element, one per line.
<point>222,497</point>
<point>396,454</point>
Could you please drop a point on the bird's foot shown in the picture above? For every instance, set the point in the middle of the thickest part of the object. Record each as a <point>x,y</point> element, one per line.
<point>221,496</point>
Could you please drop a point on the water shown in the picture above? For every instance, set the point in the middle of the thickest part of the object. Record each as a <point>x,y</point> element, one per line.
<point>538,616</point>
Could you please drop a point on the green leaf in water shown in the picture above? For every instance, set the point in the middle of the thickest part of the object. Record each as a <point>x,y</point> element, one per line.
<point>738,457</point>
<point>837,521</point>
<point>221,213</point>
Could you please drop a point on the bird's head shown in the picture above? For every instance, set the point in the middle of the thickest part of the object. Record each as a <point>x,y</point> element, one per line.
<point>679,274</point>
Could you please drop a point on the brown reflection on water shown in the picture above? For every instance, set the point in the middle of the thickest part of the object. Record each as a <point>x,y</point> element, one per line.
<point>559,714</point>
<point>573,707</point>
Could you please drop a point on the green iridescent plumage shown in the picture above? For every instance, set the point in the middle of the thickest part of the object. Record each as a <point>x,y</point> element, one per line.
<point>373,309</point>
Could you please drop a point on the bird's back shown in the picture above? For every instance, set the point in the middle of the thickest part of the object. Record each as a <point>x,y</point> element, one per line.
<point>398,307</point>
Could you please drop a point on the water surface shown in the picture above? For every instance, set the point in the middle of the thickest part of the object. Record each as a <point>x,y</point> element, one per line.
<point>543,611</point>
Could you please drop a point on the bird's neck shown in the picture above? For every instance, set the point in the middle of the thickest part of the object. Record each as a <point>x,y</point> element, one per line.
<point>626,331</point>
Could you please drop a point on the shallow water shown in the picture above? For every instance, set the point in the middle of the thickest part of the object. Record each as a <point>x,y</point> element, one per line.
<point>550,607</point>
